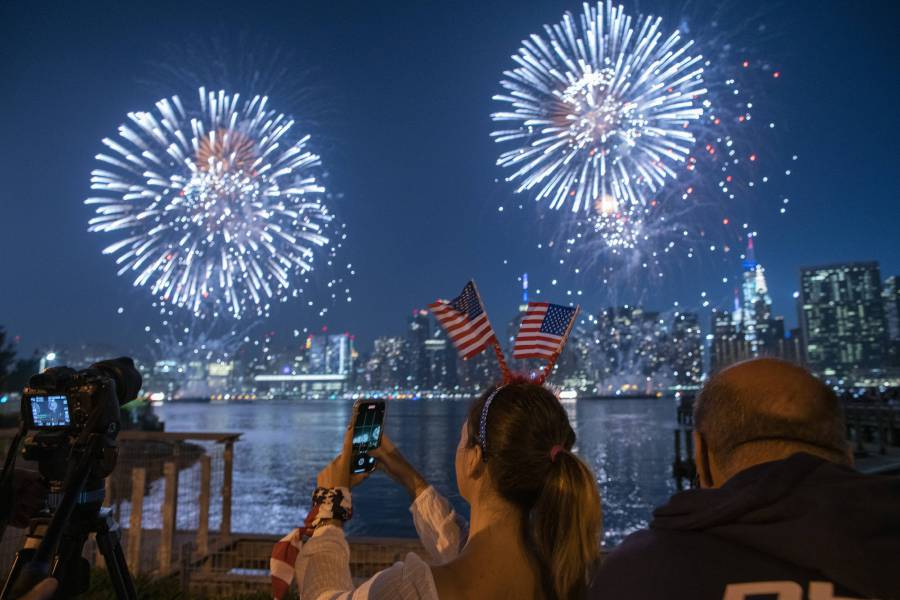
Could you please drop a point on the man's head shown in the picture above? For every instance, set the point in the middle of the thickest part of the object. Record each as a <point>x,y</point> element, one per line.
<point>763,410</point>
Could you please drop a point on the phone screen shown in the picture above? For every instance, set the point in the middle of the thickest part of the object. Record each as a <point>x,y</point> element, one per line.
<point>49,411</point>
<point>366,435</point>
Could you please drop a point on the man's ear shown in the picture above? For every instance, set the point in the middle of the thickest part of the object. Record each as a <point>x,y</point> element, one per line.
<point>701,460</point>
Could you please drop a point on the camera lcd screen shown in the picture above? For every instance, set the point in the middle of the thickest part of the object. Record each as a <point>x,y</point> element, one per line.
<point>366,435</point>
<point>49,411</point>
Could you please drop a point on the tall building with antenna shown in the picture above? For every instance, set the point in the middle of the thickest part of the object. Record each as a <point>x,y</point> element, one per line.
<point>753,330</point>
<point>524,291</point>
<point>753,310</point>
<point>512,328</point>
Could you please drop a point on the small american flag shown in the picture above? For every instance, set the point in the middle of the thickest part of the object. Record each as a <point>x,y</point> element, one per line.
<point>543,330</point>
<point>465,321</point>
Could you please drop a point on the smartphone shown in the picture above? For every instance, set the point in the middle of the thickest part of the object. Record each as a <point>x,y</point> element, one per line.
<point>366,434</point>
<point>49,412</point>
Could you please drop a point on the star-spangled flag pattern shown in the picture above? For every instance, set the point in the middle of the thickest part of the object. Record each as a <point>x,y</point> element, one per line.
<point>465,321</point>
<point>543,330</point>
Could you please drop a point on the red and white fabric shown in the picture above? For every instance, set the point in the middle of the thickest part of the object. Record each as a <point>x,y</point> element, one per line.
<point>322,565</point>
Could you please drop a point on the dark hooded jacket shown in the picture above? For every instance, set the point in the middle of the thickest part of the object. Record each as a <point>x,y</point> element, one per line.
<point>801,524</point>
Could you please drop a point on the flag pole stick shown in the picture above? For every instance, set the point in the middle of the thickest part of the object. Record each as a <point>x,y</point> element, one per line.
<point>502,360</point>
<point>497,349</point>
<point>552,362</point>
<point>547,368</point>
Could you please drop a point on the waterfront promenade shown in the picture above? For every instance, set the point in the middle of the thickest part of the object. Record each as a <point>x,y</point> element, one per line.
<point>206,505</point>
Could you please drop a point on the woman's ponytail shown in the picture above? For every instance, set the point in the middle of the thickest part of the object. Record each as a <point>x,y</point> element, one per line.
<point>526,439</point>
<point>564,525</point>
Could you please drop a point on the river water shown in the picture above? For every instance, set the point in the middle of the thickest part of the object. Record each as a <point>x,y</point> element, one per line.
<point>627,442</point>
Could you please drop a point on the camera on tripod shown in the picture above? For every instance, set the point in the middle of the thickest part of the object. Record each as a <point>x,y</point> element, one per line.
<point>61,404</point>
<point>70,420</point>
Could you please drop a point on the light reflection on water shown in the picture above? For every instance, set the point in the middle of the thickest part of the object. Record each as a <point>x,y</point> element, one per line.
<point>628,443</point>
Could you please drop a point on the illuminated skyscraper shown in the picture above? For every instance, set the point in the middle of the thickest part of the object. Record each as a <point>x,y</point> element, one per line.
<point>478,372</point>
<point>687,358</point>
<point>631,348</point>
<point>842,317</point>
<point>387,366</point>
<point>750,330</point>
<point>417,334</point>
<point>753,315</point>
<point>441,359</point>
<point>727,345</point>
<point>330,354</point>
<point>891,296</point>
<point>512,330</point>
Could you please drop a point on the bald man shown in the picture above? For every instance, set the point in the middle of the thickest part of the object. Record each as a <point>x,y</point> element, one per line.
<point>780,514</point>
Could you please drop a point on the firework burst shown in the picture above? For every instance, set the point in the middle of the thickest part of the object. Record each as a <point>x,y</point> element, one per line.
<point>602,112</point>
<point>217,210</point>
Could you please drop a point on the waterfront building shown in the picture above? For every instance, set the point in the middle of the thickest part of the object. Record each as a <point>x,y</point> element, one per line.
<point>753,312</point>
<point>791,347</point>
<point>891,295</point>
<point>753,330</point>
<point>387,367</point>
<point>727,343</point>
<point>441,359</point>
<point>194,381</point>
<point>843,320</point>
<point>686,357</point>
<point>220,377</point>
<point>753,308</point>
<point>478,372</point>
<point>165,377</point>
<point>575,368</point>
<point>631,350</point>
<point>330,354</point>
<point>417,334</point>
<point>320,368</point>
<point>359,375</point>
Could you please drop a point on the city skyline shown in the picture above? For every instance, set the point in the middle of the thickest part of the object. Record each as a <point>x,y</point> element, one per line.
<point>404,261</point>
<point>847,335</point>
<point>743,315</point>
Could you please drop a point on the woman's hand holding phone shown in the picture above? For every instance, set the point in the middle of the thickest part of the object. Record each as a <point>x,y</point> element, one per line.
<point>392,462</point>
<point>337,472</point>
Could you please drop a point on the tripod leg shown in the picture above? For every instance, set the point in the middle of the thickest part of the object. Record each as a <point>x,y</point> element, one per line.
<point>36,529</point>
<point>111,549</point>
<point>14,572</point>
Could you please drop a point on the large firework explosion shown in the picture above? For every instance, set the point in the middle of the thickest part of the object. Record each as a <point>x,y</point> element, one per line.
<point>218,209</point>
<point>602,113</point>
<point>701,210</point>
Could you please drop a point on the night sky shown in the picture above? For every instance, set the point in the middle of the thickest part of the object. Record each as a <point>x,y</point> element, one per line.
<point>400,95</point>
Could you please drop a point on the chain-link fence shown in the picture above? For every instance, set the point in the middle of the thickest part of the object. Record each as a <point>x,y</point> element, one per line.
<point>241,564</point>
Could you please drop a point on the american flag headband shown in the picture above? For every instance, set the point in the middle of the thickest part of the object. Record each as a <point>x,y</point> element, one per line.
<point>482,424</point>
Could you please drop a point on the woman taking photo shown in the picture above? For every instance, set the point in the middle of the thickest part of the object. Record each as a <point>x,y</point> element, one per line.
<point>535,512</point>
